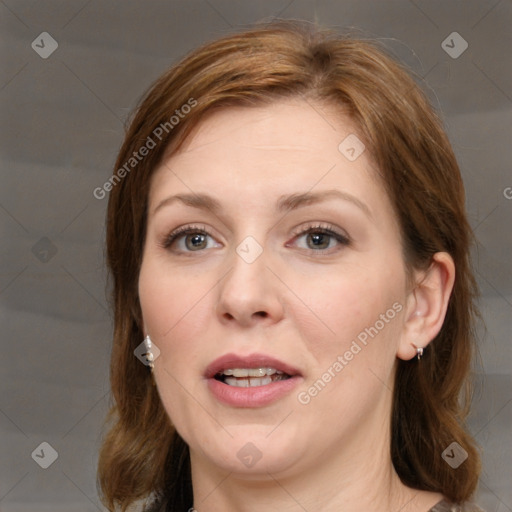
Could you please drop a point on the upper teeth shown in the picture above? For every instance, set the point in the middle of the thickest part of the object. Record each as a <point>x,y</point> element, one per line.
<point>251,372</point>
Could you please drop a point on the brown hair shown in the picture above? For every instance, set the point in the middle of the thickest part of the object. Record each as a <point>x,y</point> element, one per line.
<point>142,454</point>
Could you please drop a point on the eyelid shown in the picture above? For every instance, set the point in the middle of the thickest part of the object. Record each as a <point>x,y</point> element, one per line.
<point>320,226</point>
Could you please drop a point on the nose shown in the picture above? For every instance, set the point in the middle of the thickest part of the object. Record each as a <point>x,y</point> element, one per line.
<point>250,293</point>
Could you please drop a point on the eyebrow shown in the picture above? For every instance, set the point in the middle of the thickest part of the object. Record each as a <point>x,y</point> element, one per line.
<point>283,204</point>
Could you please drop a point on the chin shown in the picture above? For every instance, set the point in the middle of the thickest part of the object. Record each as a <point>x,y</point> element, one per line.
<point>253,453</point>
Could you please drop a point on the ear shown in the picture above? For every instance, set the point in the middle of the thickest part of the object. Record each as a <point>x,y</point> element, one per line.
<point>426,305</point>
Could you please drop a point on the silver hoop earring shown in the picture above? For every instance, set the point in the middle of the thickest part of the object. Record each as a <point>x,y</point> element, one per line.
<point>419,351</point>
<point>149,354</point>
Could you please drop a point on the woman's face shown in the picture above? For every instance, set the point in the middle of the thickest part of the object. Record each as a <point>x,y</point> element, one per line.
<point>293,264</point>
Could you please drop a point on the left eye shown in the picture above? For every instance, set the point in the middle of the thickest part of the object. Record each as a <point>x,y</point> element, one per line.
<point>321,239</point>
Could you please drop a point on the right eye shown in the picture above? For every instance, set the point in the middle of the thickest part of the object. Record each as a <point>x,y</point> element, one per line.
<point>188,239</point>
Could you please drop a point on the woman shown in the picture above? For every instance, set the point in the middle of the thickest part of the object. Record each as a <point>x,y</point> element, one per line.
<point>287,234</point>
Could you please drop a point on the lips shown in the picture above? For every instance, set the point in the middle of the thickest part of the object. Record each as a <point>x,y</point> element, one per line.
<point>250,381</point>
<point>253,361</point>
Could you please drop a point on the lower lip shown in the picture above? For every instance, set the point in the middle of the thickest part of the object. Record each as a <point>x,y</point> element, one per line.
<point>257,396</point>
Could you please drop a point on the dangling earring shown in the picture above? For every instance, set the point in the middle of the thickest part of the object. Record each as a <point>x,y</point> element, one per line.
<point>149,354</point>
<point>419,351</point>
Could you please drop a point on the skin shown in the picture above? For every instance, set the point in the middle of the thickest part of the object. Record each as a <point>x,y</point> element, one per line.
<point>295,302</point>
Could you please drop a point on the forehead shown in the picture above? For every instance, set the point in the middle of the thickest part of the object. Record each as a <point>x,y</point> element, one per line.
<point>291,124</point>
<point>255,153</point>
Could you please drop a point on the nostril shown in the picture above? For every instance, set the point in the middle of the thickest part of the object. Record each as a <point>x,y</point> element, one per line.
<point>263,314</point>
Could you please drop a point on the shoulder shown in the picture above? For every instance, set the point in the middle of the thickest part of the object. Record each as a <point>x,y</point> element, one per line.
<point>445,506</point>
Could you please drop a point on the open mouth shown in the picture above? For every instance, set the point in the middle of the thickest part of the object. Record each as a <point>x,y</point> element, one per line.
<point>250,377</point>
<point>252,380</point>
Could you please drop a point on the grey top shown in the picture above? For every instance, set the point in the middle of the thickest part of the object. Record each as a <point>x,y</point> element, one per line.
<point>444,506</point>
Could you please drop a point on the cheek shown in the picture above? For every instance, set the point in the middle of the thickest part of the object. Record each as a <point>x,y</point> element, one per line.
<point>353,344</point>
<point>169,299</point>
<point>175,309</point>
<point>348,307</point>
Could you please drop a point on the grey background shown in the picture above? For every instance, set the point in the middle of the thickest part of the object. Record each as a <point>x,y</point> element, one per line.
<point>62,124</point>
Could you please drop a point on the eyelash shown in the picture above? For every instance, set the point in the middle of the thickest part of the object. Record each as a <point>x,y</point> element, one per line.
<point>324,229</point>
